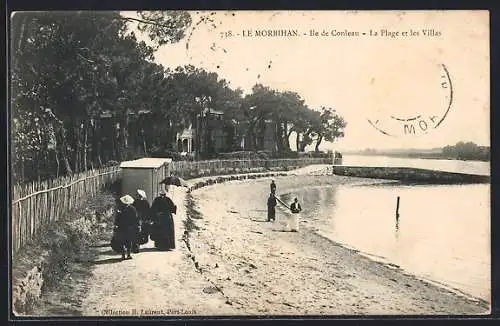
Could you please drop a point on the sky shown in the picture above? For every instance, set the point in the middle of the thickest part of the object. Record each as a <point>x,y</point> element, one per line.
<point>365,77</point>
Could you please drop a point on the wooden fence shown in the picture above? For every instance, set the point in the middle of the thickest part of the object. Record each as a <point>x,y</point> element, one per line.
<point>38,203</point>
<point>187,169</point>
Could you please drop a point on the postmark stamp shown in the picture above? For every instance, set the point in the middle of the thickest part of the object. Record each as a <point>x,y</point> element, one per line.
<point>397,121</point>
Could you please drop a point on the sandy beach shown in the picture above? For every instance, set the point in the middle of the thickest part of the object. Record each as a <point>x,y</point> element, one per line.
<point>230,261</point>
<point>263,271</point>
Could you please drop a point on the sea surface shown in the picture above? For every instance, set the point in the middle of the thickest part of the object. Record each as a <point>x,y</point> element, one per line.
<point>442,233</point>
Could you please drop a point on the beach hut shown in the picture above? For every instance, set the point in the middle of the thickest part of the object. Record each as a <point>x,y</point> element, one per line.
<point>145,174</point>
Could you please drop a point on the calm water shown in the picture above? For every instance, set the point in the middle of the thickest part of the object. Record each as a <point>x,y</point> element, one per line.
<point>443,233</point>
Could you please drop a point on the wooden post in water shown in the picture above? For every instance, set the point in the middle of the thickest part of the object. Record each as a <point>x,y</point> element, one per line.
<point>397,209</point>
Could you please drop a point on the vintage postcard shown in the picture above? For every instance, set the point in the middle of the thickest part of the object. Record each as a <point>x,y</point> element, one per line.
<point>250,163</point>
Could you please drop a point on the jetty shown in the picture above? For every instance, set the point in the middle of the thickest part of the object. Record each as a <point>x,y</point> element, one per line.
<point>410,174</point>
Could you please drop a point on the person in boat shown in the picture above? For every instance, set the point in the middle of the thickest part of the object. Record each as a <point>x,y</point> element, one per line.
<point>271,207</point>
<point>164,233</point>
<point>296,209</point>
<point>142,207</point>
<point>295,206</point>
<point>126,225</point>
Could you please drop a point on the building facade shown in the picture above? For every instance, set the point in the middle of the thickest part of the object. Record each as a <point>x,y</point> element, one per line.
<point>208,135</point>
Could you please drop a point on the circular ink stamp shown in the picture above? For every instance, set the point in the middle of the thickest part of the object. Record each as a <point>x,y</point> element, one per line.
<point>415,104</point>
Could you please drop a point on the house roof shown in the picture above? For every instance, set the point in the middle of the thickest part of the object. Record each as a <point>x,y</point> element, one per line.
<point>145,163</point>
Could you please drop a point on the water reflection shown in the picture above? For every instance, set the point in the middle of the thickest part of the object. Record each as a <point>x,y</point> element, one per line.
<point>397,218</point>
<point>442,232</point>
<point>314,199</point>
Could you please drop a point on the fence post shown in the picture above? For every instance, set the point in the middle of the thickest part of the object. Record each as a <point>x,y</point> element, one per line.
<point>20,224</point>
<point>32,211</point>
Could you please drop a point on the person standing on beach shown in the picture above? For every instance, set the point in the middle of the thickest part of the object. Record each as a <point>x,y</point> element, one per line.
<point>271,207</point>
<point>296,209</point>
<point>273,186</point>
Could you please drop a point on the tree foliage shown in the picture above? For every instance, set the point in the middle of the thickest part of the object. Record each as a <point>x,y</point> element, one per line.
<point>164,27</point>
<point>85,91</point>
<point>467,151</point>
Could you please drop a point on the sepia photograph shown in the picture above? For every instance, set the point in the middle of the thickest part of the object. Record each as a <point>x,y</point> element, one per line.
<point>249,163</point>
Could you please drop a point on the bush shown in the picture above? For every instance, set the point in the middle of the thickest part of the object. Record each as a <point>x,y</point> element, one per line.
<point>289,154</point>
<point>66,239</point>
<point>175,156</point>
<point>264,155</point>
<point>319,155</point>
<point>111,163</point>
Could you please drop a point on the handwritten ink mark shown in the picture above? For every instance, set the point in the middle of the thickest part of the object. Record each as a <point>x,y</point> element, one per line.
<point>451,96</point>
<point>405,120</point>
<point>382,131</point>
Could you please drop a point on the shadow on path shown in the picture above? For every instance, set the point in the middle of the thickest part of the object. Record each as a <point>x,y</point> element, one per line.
<point>107,261</point>
<point>109,252</point>
<point>153,249</point>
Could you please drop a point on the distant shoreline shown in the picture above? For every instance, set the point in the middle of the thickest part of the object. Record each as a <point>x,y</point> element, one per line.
<point>409,174</point>
<point>425,156</point>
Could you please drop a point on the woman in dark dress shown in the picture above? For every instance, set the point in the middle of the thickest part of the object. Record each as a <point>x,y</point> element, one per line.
<point>142,207</point>
<point>271,207</point>
<point>164,233</point>
<point>126,225</point>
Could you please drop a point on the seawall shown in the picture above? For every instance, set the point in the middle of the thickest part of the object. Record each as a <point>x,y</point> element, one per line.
<point>414,175</point>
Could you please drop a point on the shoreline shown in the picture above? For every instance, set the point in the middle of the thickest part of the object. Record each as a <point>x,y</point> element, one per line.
<point>425,296</point>
<point>384,261</point>
<point>228,263</point>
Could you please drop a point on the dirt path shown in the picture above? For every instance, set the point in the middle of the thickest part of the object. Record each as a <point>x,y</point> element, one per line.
<point>152,282</point>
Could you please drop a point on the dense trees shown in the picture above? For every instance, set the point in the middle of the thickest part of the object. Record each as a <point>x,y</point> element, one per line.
<point>467,151</point>
<point>85,91</point>
<point>459,151</point>
<point>66,70</point>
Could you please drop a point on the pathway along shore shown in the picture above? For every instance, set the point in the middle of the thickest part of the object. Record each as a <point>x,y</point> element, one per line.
<point>234,263</point>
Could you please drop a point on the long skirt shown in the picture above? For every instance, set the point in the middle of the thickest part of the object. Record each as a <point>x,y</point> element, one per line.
<point>287,222</point>
<point>141,238</point>
<point>143,234</point>
<point>294,222</point>
<point>165,233</point>
<point>124,236</point>
<point>271,214</point>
